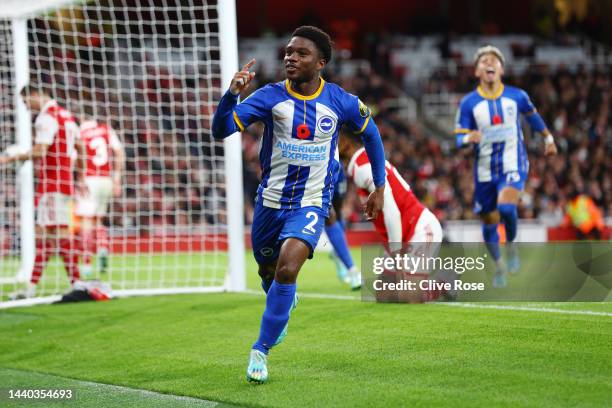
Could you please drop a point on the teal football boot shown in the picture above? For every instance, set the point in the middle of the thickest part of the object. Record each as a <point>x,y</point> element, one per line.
<point>257,371</point>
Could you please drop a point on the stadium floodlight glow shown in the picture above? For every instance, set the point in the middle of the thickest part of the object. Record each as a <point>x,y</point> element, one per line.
<point>153,71</point>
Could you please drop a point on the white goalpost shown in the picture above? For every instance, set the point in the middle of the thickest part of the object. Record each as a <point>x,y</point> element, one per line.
<point>153,71</point>
<point>16,119</point>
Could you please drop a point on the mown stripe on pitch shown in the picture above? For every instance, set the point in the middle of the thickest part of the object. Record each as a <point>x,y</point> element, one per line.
<point>89,393</point>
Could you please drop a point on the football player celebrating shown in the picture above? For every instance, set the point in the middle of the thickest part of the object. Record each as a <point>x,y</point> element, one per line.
<point>56,134</point>
<point>489,120</point>
<point>302,116</point>
<point>104,165</point>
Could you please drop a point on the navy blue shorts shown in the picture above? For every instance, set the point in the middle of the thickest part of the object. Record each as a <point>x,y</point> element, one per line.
<point>272,226</point>
<point>485,194</point>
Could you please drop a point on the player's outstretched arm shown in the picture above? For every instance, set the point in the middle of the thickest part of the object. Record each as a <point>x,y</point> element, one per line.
<point>468,138</point>
<point>537,125</point>
<point>550,148</point>
<point>376,154</point>
<point>38,151</point>
<point>466,133</point>
<point>223,123</point>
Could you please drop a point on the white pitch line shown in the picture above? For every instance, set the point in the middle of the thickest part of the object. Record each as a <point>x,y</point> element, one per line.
<point>459,304</point>
<point>527,309</point>
<point>355,298</point>
<point>29,302</point>
<point>188,401</point>
<point>196,402</point>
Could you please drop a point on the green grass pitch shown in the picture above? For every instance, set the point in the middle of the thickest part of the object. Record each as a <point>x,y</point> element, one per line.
<point>189,350</point>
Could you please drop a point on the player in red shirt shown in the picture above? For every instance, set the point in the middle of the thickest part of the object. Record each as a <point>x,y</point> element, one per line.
<point>403,219</point>
<point>404,223</point>
<point>56,135</point>
<point>104,165</point>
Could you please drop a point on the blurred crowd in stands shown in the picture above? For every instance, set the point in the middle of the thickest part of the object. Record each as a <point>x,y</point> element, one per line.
<point>174,168</point>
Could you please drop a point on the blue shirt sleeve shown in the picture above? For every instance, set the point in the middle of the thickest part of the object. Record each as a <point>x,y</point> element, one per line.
<point>253,109</point>
<point>357,116</point>
<point>464,122</point>
<point>356,113</point>
<point>526,107</point>
<point>524,103</point>
<point>376,152</point>
<point>223,124</point>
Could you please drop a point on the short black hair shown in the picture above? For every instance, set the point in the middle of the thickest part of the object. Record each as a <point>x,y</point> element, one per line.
<point>321,39</point>
<point>34,87</point>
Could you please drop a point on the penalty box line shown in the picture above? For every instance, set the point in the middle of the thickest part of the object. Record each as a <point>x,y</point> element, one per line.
<point>458,304</point>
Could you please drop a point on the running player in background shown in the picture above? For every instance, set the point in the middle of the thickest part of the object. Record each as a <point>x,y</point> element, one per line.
<point>489,120</point>
<point>346,270</point>
<point>104,166</point>
<point>298,156</point>
<point>56,134</point>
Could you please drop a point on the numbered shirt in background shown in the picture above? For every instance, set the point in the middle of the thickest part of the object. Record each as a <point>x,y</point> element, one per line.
<point>99,140</point>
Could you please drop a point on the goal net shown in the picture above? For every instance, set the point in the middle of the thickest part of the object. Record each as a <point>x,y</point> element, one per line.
<point>152,71</point>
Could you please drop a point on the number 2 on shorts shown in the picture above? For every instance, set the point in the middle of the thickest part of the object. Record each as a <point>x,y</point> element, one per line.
<point>311,224</point>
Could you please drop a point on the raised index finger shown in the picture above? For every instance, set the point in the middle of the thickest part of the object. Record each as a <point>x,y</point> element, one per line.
<point>248,65</point>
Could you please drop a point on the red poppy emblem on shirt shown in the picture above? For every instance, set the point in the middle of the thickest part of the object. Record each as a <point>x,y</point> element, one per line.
<point>497,120</point>
<point>303,132</point>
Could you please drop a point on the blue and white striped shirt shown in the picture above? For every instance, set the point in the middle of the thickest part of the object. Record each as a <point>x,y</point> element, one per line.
<point>502,147</point>
<point>300,140</point>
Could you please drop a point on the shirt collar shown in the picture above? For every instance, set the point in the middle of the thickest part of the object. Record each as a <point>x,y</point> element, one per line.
<point>304,97</point>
